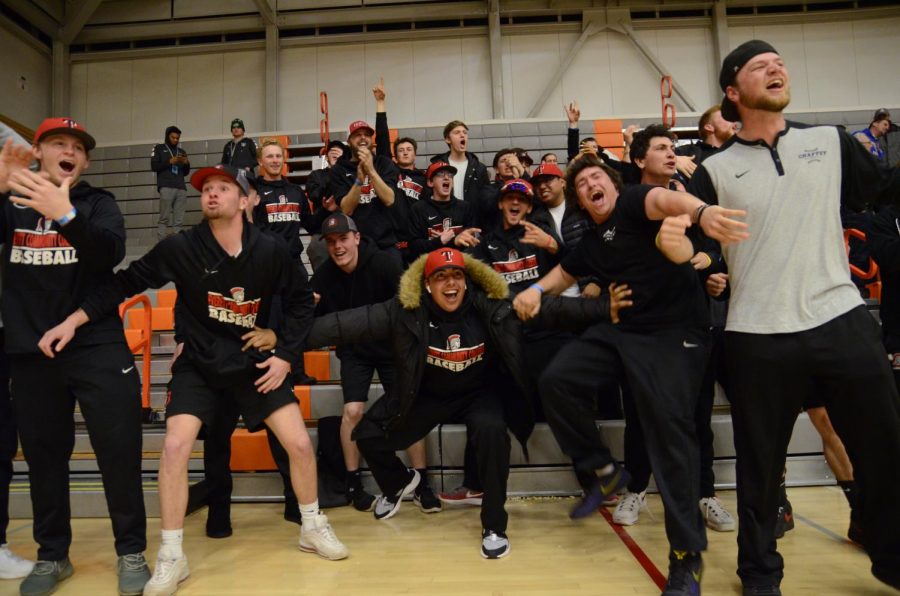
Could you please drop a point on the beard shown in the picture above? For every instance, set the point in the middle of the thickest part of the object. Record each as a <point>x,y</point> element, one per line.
<point>767,103</point>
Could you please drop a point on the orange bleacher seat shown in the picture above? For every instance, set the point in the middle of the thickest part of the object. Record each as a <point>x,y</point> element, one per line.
<point>317,364</point>
<point>134,337</point>
<point>609,136</point>
<point>250,452</point>
<point>163,319</point>
<point>303,393</point>
<point>166,298</point>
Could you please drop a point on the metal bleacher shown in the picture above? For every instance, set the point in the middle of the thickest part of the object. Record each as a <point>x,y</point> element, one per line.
<point>124,170</point>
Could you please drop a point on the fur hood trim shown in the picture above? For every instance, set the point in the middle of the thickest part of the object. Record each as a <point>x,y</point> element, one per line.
<point>481,274</point>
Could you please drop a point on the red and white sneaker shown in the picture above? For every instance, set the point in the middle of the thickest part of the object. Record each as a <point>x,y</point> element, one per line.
<point>462,496</point>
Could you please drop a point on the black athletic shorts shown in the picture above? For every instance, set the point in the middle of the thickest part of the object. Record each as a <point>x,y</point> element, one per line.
<point>193,394</point>
<point>357,375</point>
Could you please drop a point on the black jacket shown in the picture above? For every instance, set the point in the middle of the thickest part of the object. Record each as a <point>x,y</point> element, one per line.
<point>316,187</point>
<point>374,220</point>
<point>699,151</point>
<point>883,238</point>
<point>429,218</point>
<point>242,155</point>
<point>402,323</point>
<point>477,187</point>
<point>167,175</point>
<point>574,224</point>
<point>283,209</point>
<point>49,269</point>
<point>374,280</point>
<point>220,297</point>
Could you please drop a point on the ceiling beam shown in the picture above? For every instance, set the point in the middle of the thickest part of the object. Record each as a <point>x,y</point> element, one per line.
<point>265,10</point>
<point>81,13</point>
<point>45,23</point>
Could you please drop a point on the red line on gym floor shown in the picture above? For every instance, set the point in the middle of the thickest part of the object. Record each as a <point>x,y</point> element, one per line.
<point>636,551</point>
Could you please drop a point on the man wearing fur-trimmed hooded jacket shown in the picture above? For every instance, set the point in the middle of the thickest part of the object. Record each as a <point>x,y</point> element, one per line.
<point>457,350</point>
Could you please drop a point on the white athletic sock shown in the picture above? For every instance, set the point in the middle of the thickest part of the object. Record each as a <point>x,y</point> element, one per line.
<point>605,470</point>
<point>309,511</point>
<point>171,544</point>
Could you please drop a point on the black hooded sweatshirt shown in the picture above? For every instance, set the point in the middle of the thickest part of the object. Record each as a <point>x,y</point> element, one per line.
<point>220,298</point>
<point>48,269</point>
<point>430,217</point>
<point>374,280</point>
<point>283,209</point>
<point>167,175</point>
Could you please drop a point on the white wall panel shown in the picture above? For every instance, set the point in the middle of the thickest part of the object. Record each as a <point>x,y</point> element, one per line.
<point>109,100</point>
<point>341,73</point>
<point>587,80</point>
<point>244,90</point>
<point>200,84</point>
<point>534,60</point>
<point>830,64</point>
<point>395,62</point>
<point>634,81</point>
<point>438,76</point>
<point>298,90</point>
<point>31,105</point>
<point>690,57</point>
<point>876,45</point>
<point>478,102</point>
<point>155,97</point>
<point>78,91</point>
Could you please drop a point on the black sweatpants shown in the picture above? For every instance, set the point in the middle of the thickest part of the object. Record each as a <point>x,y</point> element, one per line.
<point>217,457</point>
<point>636,459</point>
<point>771,377</point>
<point>8,441</point>
<point>664,369</point>
<point>104,382</point>
<point>486,428</point>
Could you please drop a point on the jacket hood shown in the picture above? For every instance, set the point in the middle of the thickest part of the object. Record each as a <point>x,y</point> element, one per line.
<point>481,274</point>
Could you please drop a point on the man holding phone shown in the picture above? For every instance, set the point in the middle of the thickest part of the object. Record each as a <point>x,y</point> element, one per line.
<point>171,164</point>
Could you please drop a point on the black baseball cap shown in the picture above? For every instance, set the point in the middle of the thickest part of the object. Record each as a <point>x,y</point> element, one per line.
<point>338,223</point>
<point>732,63</point>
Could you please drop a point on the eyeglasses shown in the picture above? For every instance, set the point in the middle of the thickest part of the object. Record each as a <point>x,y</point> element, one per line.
<point>442,174</point>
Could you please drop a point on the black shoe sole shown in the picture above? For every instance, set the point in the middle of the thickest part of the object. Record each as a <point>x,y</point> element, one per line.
<point>219,533</point>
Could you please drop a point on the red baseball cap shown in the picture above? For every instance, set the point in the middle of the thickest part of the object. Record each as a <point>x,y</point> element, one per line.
<point>438,166</point>
<point>546,169</point>
<point>236,175</point>
<point>354,126</point>
<point>518,185</point>
<point>64,126</point>
<point>443,258</point>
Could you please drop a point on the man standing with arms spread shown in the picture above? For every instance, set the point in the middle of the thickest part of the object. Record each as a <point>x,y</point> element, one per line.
<point>63,238</point>
<point>227,274</point>
<point>240,151</point>
<point>794,311</point>
<point>171,165</point>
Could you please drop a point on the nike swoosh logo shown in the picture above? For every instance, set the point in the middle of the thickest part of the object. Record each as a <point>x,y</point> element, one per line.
<point>741,174</point>
<point>491,247</point>
<point>125,371</point>
<point>347,174</point>
<point>432,325</point>
<point>268,192</point>
<point>431,217</point>
<point>688,345</point>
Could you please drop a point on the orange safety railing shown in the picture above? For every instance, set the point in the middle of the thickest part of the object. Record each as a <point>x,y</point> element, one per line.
<point>872,275</point>
<point>141,343</point>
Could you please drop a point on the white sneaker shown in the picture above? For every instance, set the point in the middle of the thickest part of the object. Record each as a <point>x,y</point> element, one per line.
<point>12,566</point>
<point>318,537</point>
<point>167,574</point>
<point>629,508</point>
<point>716,516</point>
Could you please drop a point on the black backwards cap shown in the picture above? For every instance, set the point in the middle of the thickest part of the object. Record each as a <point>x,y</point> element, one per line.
<point>732,63</point>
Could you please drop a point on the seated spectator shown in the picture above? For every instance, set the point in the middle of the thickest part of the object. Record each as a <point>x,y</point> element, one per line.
<point>872,137</point>
<point>441,219</point>
<point>240,151</point>
<point>549,158</point>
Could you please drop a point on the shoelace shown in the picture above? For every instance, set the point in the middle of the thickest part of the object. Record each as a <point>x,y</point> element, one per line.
<point>44,568</point>
<point>714,509</point>
<point>328,534</point>
<point>134,562</point>
<point>164,568</point>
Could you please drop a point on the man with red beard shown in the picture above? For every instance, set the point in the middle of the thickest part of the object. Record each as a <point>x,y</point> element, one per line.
<point>794,310</point>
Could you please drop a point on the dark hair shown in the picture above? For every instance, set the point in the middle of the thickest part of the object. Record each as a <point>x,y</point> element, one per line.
<point>339,144</point>
<point>501,153</point>
<point>453,124</point>
<point>412,142</point>
<point>586,139</point>
<point>704,120</point>
<point>546,155</point>
<point>582,163</point>
<point>642,138</point>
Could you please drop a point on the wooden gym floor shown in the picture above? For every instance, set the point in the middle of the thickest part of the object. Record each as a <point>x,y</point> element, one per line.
<point>439,554</point>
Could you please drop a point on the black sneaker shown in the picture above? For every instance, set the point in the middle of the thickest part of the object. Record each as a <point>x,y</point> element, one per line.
<point>494,545</point>
<point>761,591</point>
<point>45,577</point>
<point>426,500</point>
<point>360,499</point>
<point>605,486</point>
<point>387,507</point>
<point>785,521</point>
<point>685,571</point>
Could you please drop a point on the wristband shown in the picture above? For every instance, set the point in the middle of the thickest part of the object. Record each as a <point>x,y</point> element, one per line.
<point>67,217</point>
<point>358,182</point>
<point>698,213</point>
<point>538,287</point>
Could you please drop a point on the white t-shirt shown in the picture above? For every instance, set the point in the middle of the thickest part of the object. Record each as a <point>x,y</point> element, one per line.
<point>557,214</point>
<point>459,180</point>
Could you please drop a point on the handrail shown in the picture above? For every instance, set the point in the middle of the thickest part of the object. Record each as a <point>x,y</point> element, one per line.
<point>872,273</point>
<point>144,344</point>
